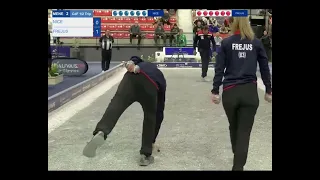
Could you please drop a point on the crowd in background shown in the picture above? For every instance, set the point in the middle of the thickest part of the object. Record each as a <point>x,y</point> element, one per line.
<point>223,28</point>
<point>175,36</point>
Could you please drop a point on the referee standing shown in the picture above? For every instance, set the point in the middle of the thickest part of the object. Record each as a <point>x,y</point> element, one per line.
<point>106,42</point>
<point>202,41</point>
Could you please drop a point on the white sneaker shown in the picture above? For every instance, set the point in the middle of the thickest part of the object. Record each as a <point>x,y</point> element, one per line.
<point>102,71</point>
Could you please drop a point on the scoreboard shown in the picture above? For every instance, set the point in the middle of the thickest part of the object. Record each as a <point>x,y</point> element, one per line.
<point>82,23</point>
<point>75,23</point>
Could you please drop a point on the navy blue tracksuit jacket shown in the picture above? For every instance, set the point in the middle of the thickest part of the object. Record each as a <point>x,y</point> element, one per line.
<point>202,41</point>
<point>237,63</point>
<point>152,72</point>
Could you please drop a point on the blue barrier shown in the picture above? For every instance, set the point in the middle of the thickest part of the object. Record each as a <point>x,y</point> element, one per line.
<point>61,98</point>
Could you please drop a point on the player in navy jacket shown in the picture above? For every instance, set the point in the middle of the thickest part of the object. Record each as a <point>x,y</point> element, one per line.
<point>203,40</point>
<point>237,63</point>
<point>143,83</point>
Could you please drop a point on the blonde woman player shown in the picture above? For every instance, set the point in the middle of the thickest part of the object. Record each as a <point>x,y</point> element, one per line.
<point>237,64</point>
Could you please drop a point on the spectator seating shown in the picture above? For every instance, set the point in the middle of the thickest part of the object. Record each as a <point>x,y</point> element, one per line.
<point>119,28</point>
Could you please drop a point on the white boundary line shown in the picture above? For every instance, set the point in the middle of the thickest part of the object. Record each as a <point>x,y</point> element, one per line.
<point>58,117</point>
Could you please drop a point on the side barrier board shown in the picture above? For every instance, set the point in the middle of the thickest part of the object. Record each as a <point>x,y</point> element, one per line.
<point>182,65</point>
<point>61,98</point>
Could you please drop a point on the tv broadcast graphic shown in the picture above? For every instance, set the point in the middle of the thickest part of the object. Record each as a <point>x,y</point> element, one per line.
<point>160,89</point>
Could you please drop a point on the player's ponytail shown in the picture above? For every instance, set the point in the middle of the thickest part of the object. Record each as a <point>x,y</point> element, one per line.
<point>242,24</point>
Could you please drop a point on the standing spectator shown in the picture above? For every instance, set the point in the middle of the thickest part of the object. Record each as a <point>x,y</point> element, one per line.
<point>214,22</point>
<point>159,33</point>
<point>166,15</point>
<point>223,29</point>
<point>198,27</point>
<point>270,27</point>
<point>265,39</point>
<point>106,42</point>
<point>226,22</point>
<point>135,32</point>
<point>162,21</point>
<point>181,39</point>
<point>173,33</point>
<point>218,40</point>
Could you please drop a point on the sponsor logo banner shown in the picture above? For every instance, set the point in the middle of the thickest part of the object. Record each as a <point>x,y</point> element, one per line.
<point>71,67</point>
<point>178,50</point>
<point>60,51</point>
<point>57,101</point>
<point>179,59</point>
<point>182,65</point>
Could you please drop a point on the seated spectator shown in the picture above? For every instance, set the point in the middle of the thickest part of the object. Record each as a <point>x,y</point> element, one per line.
<point>135,32</point>
<point>213,29</point>
<point>223,29</point>
<point>198,27</point>
<point>218,40</point>
<point>181,39</point>
<point>198,20</point>
<point>173,33</point>
<point>162,21</point>
<point>215,22</point>
<point>210,26</point>
<point>205,20</point>
<point>159,33</point>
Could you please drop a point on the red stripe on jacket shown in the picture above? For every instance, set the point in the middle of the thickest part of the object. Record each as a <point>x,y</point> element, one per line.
<point>151,80</point>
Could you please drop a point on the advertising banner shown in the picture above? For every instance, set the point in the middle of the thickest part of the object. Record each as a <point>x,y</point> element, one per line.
<point>60,51</point>
<point>58,100</point>
<point>179,59</point>
<point>71,67</point>
<point>182,65</point>
<point>178,50</point>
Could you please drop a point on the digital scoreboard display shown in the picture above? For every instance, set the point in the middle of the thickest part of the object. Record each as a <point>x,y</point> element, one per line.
<point>75,23</point>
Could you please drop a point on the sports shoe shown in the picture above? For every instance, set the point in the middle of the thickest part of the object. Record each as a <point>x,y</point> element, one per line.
<point>145,161</point>
<point>91,147</point>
